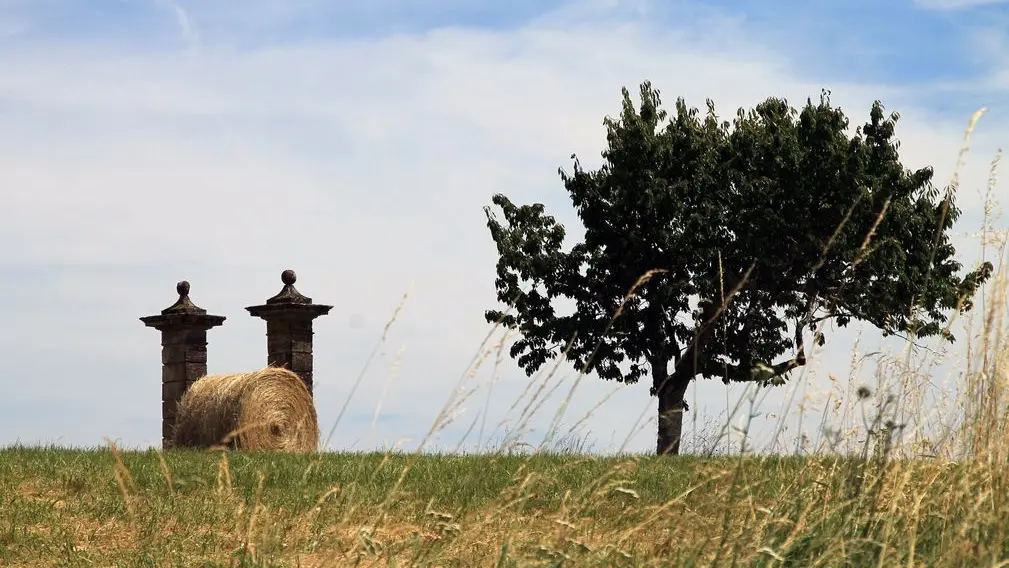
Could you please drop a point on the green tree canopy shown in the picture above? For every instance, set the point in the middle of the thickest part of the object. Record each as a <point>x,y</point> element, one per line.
<point>739,241</point>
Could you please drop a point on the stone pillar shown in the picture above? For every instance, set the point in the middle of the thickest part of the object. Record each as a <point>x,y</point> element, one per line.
<point>183,328</point>
<point>289,318</point>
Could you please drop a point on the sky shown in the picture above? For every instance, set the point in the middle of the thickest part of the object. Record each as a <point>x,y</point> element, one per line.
<point>356,142</point>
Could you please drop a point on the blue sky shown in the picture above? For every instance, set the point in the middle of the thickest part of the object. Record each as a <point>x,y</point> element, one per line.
<point>906,42</point>
<point>854,40</point>
<point>142,143</point>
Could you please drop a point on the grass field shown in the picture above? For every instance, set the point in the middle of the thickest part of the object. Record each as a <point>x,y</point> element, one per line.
<point>872,507</point>
<point>105,508</point>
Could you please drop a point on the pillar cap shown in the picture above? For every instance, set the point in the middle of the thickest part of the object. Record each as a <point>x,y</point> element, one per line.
<point>183,312</point>
<point>289,302</point>
<point>183,305</point>
<point>289,294</point>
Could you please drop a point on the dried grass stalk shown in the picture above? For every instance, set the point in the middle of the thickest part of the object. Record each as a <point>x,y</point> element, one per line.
<point>269,409</point>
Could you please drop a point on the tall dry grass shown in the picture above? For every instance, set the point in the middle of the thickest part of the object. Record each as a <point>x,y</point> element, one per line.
<point>920,480</point>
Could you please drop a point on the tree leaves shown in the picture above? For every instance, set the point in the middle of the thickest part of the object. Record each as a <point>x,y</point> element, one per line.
<point>807,223</point>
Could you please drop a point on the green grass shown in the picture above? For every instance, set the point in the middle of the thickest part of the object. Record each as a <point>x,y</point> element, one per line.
<point>103,508</point>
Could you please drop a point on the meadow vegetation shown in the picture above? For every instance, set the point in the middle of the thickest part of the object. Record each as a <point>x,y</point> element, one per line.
<point>936,496</point>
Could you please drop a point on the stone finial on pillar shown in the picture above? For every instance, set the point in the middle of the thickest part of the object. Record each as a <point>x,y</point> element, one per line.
<point>183,328</point>
<point>289,318</point>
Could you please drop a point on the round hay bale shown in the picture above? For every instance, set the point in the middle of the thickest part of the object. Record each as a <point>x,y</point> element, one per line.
<point>269,409</point>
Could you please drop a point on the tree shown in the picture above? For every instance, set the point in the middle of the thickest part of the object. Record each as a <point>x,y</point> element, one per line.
<point>713,249</point>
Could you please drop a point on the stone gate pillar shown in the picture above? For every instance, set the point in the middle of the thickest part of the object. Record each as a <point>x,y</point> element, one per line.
<point>183,328</point>
<point>289,333</point>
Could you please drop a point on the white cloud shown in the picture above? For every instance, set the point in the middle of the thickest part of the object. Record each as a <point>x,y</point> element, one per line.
<point>363,164</point>
<point>955,4</point>
<point>189,35</point>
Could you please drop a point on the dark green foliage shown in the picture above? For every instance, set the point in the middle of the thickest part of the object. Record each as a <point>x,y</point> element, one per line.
<point>776,223</point>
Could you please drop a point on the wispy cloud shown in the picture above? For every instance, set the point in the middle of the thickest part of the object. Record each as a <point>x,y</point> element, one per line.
<point>190,35</point>
<point>956,4</point>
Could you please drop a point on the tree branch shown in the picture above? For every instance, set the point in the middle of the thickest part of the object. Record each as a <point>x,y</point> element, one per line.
<point>710,315</point>
<point>761,372</point>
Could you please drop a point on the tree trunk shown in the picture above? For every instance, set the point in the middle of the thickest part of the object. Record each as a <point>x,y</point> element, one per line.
<point>670,391</point>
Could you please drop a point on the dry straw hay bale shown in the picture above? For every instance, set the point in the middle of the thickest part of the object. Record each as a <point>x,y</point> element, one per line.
<point>268,409</point>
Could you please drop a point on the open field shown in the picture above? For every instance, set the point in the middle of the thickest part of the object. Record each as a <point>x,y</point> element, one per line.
<point>102,508</point>
<point>869,507</point>
<point>937,496</point>
<point>368,144</point>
